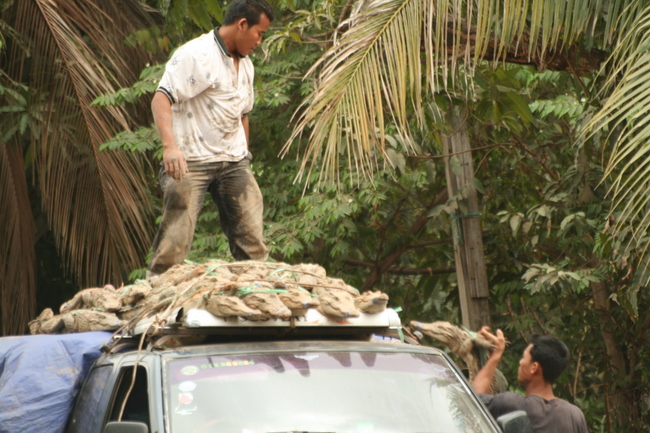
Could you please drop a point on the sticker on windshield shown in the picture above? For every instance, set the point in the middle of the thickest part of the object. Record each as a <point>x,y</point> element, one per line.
<point>186,386</point>
<point>227,364</point>
<point>190,370</point>
<point>307,357</point>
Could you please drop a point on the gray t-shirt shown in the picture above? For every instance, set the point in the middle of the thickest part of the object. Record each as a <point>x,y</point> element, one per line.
<point>546,416</point>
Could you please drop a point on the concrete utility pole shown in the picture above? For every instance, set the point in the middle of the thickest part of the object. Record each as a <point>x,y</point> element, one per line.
<point>466,225</point>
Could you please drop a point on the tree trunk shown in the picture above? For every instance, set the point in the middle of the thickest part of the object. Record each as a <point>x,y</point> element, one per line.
<point>621,401</point>
<point>466,225</point>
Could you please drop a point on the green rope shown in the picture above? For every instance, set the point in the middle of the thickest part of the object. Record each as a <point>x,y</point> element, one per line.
<point>212,267</point>
<point>293,275</point>
<point>459,226</point>
<point>137,282</point>
<point>483,353</point>
<point>145,282</point>
<point>248,290</point>
<point>313,295</point>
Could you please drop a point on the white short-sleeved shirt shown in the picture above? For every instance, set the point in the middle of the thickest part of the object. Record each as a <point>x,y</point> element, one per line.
<point>208,99</point>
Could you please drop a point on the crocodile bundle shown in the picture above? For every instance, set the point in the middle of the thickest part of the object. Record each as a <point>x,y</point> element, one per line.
<point>250,289</point>
<point>469,346</point>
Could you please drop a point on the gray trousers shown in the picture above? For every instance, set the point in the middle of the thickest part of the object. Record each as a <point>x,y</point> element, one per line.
<point>238,198</point>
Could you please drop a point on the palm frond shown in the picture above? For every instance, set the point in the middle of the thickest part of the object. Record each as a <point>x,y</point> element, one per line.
<point>17,259</point>
<point>347,109</point>
<point>624,113</point>
<point>373,76</point>
<point>96,202</point>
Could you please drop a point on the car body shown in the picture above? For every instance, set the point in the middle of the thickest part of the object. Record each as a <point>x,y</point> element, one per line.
<point>361,376</point>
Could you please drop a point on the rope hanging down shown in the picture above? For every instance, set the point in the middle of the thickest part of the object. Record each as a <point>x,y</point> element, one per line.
<point>459,226</point>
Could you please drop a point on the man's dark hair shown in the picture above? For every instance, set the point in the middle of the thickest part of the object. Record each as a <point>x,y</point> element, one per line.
<point>252,10</point>
<point>551,353</point>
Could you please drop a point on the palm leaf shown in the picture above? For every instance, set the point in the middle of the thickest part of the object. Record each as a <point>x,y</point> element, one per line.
<point>70,52</point>
<point>347,109</point>
<point>372,76</point>
<point>626,94</point>
<point>17,285</point>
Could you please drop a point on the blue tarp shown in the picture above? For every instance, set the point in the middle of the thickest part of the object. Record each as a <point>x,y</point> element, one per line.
<point>40,376</point>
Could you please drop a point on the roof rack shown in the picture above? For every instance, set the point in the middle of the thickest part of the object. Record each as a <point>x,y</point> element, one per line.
<point>199,321</point>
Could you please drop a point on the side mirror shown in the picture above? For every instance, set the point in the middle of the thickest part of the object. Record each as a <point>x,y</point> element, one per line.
<point>126,427</point>
<point>515,422</point>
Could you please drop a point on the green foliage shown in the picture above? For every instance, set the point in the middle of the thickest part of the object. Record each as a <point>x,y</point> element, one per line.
<point>147,84</point>
<point>151,39</point>
<point>500,101</point>
<point>142,140</point>
<point>562,105</point>
<point>199,13</point>
<point>23,112</point>
<point>544,277</point>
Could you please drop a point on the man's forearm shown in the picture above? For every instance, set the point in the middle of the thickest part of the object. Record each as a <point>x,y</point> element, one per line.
<point>244,121</point>
<point>162,117</point>
<point>173,158</point>
<point>484,377</point>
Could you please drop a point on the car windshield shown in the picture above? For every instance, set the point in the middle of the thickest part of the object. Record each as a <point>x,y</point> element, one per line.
<point>358,392</point>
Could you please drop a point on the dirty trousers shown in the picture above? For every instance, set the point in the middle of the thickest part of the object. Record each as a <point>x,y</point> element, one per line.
<point>238,198</point>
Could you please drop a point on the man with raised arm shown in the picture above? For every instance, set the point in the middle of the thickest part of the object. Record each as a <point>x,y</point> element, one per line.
<point>540,365</point>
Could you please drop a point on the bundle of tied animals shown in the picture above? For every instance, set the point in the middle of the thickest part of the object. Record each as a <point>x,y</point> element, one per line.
<point>467,345</point>
<point>253,290</point>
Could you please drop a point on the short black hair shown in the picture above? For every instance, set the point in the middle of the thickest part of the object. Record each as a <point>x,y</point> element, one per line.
<point>551,353</point>
<point>252,10</point>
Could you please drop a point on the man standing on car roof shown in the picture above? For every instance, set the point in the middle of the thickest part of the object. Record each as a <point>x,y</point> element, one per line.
<point>541,364</point>
<point>201,111</point>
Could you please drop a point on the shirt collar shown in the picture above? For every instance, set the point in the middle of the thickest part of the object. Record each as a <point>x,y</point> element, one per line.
<point>222,44</point>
